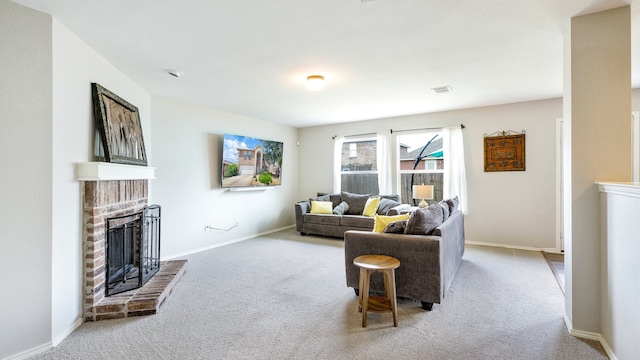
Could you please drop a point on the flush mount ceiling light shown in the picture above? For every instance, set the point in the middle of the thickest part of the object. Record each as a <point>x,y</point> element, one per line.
<point>175,73</point>
<point>315,82</point>
<point>442,89</point>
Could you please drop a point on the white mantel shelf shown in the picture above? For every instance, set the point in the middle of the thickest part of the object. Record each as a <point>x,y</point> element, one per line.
<point>98,171</point>
<point>631,189</point>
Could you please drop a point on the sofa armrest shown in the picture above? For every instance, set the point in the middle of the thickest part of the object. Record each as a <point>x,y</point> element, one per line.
<point>418,276</point>
<point>301,208</point>
<point>452,233</point>
<point>399,209</point>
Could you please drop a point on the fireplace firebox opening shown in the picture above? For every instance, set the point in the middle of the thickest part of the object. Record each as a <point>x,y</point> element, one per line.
<point>132,249</point>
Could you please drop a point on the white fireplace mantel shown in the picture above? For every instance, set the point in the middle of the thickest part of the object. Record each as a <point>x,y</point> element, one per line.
<point>97,171</point>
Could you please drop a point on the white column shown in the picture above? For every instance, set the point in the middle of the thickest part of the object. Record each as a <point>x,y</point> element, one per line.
<point>598,107</point>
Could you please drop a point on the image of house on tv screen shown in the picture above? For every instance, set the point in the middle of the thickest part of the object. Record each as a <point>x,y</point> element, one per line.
<point>248,161</point>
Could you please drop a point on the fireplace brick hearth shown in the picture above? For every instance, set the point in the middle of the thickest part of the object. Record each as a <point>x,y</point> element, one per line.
<point>143,301</point>
<point>103,200</point>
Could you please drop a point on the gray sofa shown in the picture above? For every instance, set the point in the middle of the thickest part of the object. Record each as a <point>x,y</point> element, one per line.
<point>335,225</point>
<point>428,263</point>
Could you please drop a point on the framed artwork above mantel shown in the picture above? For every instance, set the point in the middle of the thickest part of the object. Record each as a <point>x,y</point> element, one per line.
<point>118,129</point>
<point>504,151</point>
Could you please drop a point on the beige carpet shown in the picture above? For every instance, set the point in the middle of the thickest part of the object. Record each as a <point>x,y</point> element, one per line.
<point>284,296</point>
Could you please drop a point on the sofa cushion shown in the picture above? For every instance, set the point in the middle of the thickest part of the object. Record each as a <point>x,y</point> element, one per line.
<point>424,221</point>
<point>386,205</point>
<point>445,210</point>
<point>358,221</point>
<point>323,219</point>
<point>396,227</point>
<point>356,202</point>
<point>341,208</point>
<point>381,221</point>
<point>321,207</point>
<point>371,206</point>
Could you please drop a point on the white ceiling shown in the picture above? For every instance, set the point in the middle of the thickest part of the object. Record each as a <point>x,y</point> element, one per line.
<point>380,58</point>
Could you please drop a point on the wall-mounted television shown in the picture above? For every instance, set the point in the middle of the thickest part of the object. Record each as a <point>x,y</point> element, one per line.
<point>251,162</point>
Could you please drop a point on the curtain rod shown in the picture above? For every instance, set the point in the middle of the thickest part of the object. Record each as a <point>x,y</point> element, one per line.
<point>354,135</point>
<point>433,128</point>
<point>392,131</point>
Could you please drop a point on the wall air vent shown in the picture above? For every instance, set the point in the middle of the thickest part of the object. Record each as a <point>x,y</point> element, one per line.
<point>442,89</point>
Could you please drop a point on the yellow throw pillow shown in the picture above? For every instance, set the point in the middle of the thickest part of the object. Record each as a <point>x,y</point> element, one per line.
<point>321,207</point>
<point>381,221</point>
<point>371,206</point>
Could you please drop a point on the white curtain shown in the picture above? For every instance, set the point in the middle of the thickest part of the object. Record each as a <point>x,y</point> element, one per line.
<point>384,164</point>
<point>455,178</point>
<point>337,160</point>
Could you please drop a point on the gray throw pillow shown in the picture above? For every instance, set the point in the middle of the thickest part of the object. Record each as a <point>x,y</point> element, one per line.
<point>453,204</point>
<point>341,208</point>
<point>445,210</point>
<point>396,227</point>
<point>321,198</point>
<point>424,221</point>
<point>393,197</point>
<point>386,205</point>
<point>356,202</point>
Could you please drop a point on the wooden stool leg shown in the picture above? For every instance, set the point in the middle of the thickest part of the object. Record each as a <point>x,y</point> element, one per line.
<point>392,294</point>
<point>360,285</point>
<point>364,291</point>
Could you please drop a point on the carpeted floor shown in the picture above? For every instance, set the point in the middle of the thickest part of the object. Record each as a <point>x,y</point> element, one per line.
<point>283,296</point>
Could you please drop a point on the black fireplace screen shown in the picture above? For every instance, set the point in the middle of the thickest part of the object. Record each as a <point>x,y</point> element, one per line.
<point>133,249</point>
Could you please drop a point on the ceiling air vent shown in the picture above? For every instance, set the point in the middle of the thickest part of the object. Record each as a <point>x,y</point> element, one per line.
<point>442,89</point>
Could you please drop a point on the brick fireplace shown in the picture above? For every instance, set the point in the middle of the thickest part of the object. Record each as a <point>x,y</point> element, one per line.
<point>105,196</point>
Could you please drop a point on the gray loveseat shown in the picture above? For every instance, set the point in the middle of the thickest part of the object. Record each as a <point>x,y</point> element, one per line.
<point>335,225</point>
<point>428,263</point>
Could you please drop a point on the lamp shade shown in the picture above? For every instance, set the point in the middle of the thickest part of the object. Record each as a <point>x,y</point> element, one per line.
<point>315,82</point>
<point>423,192</point>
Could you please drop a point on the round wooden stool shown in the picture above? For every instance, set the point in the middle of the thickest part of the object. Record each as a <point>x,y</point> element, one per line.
<point>369,264</point>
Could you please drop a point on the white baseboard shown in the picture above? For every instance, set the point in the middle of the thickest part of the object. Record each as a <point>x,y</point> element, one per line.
<point>31,352</point>
<point>591,336</point>
<point>63,335</point>
<point>47,346</point>
<point>607,349</point>
<point>195,251</point>
<point>528,248</point>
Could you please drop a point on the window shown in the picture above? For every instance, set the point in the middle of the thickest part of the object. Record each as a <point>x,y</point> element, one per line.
<point>353,149</point>
<point>430,165</point>
<point>421,161</point>
<point>358,166</point>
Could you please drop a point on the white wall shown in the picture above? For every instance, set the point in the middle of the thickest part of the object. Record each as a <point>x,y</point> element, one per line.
<point>25,179</point>
<point>505,208</point>
<point>75,67</point>
<point>187,144</point>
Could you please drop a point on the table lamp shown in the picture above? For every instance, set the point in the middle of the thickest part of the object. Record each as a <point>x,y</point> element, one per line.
<point>423,192</point>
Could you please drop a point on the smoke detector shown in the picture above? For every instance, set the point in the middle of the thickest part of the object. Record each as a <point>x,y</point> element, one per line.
<point>442,89</point>
<point>175,73</point>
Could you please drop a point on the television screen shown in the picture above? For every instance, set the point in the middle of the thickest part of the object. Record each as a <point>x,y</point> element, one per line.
<point>248,161</point>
